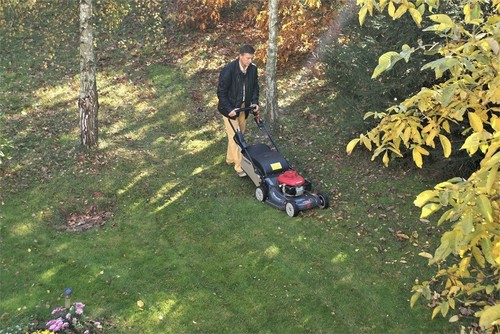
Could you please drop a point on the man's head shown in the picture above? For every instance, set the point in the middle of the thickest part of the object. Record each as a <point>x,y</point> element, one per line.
<point>246,55</point>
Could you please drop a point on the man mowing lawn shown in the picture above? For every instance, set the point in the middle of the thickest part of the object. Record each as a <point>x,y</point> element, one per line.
<point>238,87</point>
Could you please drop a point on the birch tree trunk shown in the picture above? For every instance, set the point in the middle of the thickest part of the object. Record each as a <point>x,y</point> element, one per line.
<point>88,103</point>
<point>272,52</point>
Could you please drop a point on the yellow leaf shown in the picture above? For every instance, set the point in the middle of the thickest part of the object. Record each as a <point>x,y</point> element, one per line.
<point>367,142</point>
<point>385,159</point>
<point>475,122</point>
<point>400,11</point>
<point>429,209</point>
<point>140,304</point>
<point>478,256</point>
<point>446,126</point>
<point>406,136</point>
<point>496,252</point>
<point>441,18</point>
<point>426,255</point>
<point>422,150</point>
<point>391,9</point>
<point>445,143</point>
<point>463,267</point>
<point>489,315</point>
<point>386,62</point>
<point>362,15</point>
<point>436,310</point>
<point>424,197</point>
<point>417,157</point>
<point>455,318</point>
<point>351,145</point>
<point>495,123</point>
<point>452,303</point>
<point>416,16</point>
<point>383,3</point>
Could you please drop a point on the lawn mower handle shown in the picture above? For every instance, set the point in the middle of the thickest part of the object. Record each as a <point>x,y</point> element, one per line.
<point>250,108</point>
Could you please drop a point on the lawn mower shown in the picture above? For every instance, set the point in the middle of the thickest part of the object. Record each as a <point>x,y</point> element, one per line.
<point>277,183</point>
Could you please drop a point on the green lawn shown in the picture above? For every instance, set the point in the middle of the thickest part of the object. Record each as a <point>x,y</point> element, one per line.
<point>186,236</point>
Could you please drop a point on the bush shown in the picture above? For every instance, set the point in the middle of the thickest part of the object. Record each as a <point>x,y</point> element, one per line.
<point>352,56</point>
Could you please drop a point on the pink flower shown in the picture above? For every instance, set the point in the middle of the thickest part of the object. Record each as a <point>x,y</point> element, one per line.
<point>68,316</point>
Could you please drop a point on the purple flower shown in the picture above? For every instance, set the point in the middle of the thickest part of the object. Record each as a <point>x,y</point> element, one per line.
<point>79,305</point>
<point>56,325</point>
<point>68,316</point>
<point>79,308</point>
<point>86,332</point>
<point>58,309</point>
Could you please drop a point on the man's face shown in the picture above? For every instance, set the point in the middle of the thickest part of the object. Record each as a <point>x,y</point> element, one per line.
<point>246,59</point>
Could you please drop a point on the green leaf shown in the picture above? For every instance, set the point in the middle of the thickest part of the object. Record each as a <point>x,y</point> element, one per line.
<point>414,299</point>
<point>466,223</point>
<point>492,178</point>
<point>441,65</point>
<point>448,94</point>
<point>484,206</point>
<point>444,248</point>
<point>386,62</point>
<point>487,248</point>
<point>445,307</point>
<point>472,13</point>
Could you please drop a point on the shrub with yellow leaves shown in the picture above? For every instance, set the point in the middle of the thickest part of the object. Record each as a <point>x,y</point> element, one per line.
<point>468,95</point>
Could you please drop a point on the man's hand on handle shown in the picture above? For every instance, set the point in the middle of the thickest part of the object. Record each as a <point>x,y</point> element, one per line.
<point>254,108</point>
<point>233,113</point>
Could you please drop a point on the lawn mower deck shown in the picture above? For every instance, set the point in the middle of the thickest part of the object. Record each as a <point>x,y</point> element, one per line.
<point>277,184</point>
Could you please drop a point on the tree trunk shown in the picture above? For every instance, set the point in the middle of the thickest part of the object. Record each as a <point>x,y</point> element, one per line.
<point>88,103</point>
<point>272,52</point>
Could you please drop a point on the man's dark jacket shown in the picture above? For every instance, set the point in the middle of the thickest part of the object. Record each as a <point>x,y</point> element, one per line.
<point>230,87</point>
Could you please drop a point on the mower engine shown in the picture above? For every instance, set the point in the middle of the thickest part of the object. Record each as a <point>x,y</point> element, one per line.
<point>291,183</point>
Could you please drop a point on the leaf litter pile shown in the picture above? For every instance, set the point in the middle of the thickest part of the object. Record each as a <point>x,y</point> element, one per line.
<point>78,222</point>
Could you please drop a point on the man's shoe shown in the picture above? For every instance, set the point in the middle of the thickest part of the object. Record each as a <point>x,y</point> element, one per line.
<point>242,174</point>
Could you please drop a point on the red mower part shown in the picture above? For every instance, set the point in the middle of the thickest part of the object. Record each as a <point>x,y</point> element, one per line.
<point>291,178</point>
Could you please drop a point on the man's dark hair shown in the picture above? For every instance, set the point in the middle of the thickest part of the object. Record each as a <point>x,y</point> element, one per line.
<point>247,49</point>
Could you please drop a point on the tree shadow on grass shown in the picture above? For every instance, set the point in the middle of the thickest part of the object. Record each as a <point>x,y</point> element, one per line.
<point>187,238</point>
